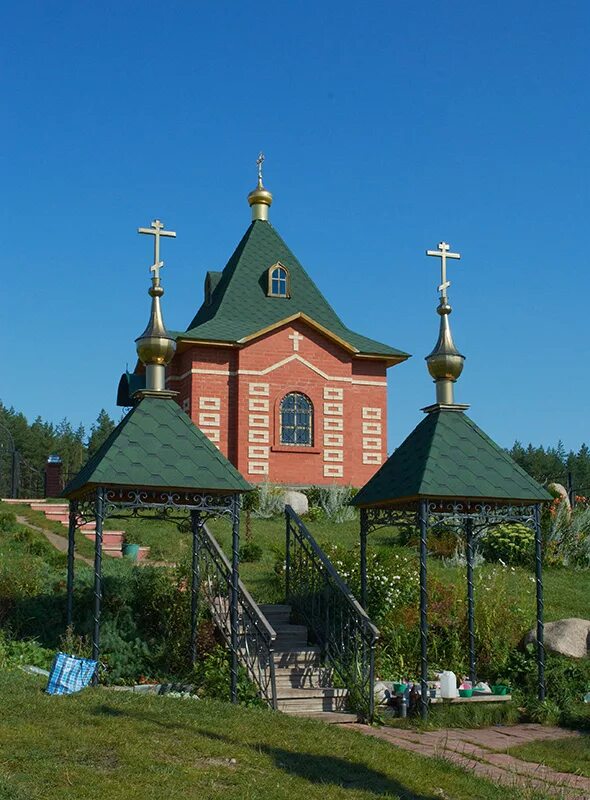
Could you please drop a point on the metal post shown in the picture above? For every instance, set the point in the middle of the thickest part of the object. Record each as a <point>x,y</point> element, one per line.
<point>235,566</point>
<point>372,683</point>
<point>363,558</point>
<point>287,556</point>
<point>195,583</point>
<point>71,552</point>
<point>539,585</point>
<point>468,526</point>
<point>98,514</point>
<point>423,524</point>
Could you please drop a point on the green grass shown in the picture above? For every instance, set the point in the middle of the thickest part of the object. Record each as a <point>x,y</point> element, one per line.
<point>461,715</point>
<point>127,747</point>
<point>565,755</point>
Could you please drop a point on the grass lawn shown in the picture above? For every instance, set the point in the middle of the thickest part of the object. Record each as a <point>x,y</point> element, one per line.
<point>120,746</point>
<point>569,755</point>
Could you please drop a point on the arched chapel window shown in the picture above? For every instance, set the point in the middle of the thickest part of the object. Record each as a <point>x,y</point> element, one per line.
<point>296,420</point>
<point>278,281</point>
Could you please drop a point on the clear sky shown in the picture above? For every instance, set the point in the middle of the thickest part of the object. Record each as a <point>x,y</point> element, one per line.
<point>387,127</point>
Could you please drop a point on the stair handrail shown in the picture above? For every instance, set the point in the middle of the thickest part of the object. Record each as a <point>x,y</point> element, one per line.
<point>357,670</point>
<point>256,636</point>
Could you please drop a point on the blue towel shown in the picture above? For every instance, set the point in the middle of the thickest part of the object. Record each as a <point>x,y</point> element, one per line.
<point>69,674</point>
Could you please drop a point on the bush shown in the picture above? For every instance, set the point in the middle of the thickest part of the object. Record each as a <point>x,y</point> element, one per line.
<point>19,652</point>
<point>212,675</point>
<point>512,543</point>
<point>270,501</point>
<point>334,501</point>
<point>7,521</point>
<point>250,552</point>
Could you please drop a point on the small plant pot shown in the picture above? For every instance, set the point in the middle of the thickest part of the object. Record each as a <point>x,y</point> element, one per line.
<point>130,551</point>
<point>399,688</point>
<point>465,692</point>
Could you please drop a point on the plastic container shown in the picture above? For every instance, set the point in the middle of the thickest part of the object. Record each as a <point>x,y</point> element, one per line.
<point>448,685</point>
<point>130,551</point>
<point>400,688</point>
<point>500,688</point>
<point>465,692</point>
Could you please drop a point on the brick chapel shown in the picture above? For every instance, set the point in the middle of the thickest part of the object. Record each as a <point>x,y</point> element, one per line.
<point>268,371</point>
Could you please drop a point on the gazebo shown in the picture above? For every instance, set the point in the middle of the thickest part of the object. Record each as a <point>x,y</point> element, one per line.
<point>156,459</point>
<point>448,472</point>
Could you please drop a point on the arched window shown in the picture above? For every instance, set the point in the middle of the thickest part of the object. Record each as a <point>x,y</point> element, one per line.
<point>278,281</point>
<point>296,420</point>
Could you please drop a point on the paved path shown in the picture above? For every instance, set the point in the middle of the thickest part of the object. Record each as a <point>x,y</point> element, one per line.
<point>59,542</point>
<point>483,752</point>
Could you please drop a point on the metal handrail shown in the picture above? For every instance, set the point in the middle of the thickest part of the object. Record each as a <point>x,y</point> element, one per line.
<point>318,594</point>
<point>256,636</point>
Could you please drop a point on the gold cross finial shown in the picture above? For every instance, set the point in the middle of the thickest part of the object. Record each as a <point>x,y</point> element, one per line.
<point>443,253</point>
<point>259,163</point>
<point>156,230</point>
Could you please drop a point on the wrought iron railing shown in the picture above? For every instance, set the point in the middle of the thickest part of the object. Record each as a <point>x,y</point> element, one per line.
<point>256,637</point>
<point>322,601</point>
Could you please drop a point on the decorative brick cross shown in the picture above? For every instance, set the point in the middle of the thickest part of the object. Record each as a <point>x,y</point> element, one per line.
<point>296,338</point>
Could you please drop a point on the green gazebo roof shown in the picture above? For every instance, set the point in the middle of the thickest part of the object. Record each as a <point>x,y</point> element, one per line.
<point>448,457</point>
<point>240,307</point>
<point>156,446</point>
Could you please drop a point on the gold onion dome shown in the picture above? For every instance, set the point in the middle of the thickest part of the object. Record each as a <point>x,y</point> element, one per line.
<point>260,199</point>
<point>445,362</point>
<point>155,346</point>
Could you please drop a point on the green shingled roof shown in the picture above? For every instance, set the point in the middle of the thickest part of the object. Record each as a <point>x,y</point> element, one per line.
<point>156,446</point>
<point>240,306</point>
<point>448,456</point>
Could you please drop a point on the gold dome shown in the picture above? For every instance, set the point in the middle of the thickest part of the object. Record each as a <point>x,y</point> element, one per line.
<point>445,363</point>
<point>155,346</point>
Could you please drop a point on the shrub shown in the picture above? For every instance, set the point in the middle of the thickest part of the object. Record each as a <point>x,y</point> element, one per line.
<point>7,521</point>
<point>212,675</point>
<point>250,552</point>
<point>334,501</point>
<point>270,501</point>
<point>512,543</point>
<point>19,652</point>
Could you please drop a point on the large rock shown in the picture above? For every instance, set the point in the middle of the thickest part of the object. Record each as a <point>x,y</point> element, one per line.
<point>568,637</point>
<point>297,501</point>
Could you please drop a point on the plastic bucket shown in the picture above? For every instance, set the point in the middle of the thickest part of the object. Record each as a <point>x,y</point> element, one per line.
<point>130,551</point>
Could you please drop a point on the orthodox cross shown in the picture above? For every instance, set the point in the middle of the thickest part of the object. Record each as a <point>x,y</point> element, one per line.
<point>156,230</point>
<point>296,338</point>
<point>259,163</point>
<point>443,254</point>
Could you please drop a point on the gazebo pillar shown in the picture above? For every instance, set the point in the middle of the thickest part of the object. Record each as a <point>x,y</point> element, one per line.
<point>195,582</point>
<point>234,621</point>
<point>423,525</point>
<point>71,553</point>
<point>540,610</point>
<point>364,530</point>
<point>99,518</point>
<point>468,527</point>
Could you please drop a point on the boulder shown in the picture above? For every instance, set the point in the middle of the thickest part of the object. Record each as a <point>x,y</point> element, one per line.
<point>567,637</point>
<point>297,501</point>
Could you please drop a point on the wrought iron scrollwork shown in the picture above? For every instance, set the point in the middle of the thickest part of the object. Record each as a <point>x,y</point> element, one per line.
<point>322,600</point>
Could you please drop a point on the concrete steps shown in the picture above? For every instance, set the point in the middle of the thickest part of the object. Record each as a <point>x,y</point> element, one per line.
<point>112,541</point>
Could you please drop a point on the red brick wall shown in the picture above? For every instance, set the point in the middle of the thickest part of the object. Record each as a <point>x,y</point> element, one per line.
<point>235,393</point>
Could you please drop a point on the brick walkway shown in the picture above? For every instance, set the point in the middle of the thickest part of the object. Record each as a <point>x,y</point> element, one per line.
<point>483,752</point>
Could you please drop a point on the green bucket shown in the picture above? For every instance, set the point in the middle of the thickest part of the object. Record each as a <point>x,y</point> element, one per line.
<point>131,551</point>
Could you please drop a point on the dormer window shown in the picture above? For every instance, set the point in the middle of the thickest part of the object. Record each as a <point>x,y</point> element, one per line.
<point>278,281</point>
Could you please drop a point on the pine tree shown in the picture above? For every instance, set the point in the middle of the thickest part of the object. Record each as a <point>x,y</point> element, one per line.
<point>99,432</point>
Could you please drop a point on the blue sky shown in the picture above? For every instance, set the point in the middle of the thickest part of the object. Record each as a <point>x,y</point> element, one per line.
<point>386,128</point>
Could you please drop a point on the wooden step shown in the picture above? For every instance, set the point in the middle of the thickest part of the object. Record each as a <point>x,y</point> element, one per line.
<point>276,614</point>
<point>299,658</point>
<point>327,699</point>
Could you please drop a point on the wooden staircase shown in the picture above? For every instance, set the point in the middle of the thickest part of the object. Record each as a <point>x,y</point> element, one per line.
<point>303,686</point>
<point>112,541</point>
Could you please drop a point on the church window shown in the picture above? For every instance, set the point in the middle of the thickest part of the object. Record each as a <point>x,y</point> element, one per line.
<point>296,420</point>
<point>278,281</point>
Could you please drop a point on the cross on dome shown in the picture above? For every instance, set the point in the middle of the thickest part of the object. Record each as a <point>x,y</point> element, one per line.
<point>443,253</point>
<point>156,230</point>
<point>259,163</point>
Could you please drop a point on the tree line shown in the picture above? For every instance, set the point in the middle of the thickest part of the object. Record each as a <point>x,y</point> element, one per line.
<point>39,439</point>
